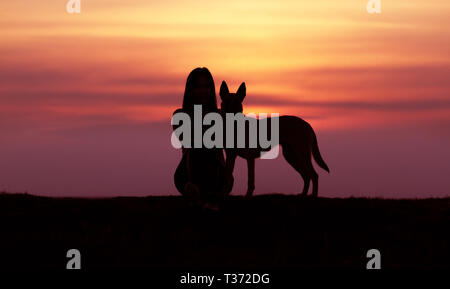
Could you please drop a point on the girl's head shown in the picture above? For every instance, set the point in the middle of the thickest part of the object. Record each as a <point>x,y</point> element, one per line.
<point>200,89</point>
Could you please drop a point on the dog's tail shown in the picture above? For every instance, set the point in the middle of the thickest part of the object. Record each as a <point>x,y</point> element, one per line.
<point>316,153</point>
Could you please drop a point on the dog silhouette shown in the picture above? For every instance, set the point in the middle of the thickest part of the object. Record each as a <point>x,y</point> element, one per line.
<point>296,138</point>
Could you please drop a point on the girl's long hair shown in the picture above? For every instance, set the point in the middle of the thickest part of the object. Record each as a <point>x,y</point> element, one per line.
<point>188,99</point>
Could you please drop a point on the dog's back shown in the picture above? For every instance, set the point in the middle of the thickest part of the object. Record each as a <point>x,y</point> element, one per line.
<point>296,137</point>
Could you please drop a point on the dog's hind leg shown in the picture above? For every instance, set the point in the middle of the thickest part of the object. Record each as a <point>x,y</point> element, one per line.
<point>315,181</point>
<point>306,168</point>
<point>296,162</point>
<point>306,180</point>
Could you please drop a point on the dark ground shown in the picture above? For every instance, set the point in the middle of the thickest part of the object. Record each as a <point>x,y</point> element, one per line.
<point>270,231</point>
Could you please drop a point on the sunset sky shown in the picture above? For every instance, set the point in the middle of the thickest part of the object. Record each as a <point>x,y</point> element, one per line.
<point>86,99</point>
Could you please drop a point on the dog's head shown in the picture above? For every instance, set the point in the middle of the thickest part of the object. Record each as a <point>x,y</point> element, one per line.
<point>232,102</point>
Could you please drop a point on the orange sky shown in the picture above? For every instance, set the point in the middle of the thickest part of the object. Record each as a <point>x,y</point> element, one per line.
<point>328,61</point>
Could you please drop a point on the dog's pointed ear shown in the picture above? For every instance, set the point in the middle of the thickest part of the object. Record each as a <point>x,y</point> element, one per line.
<point>224,90</point>
<point>242,91</point>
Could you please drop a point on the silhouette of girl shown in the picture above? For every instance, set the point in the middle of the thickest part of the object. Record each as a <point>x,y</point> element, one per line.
<point>200,175</point>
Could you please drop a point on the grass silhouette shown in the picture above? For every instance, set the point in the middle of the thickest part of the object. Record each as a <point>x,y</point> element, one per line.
<point>268,231</point>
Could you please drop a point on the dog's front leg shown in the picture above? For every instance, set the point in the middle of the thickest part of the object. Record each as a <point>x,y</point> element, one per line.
<point>229,167</point>
<point>251,177</point>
